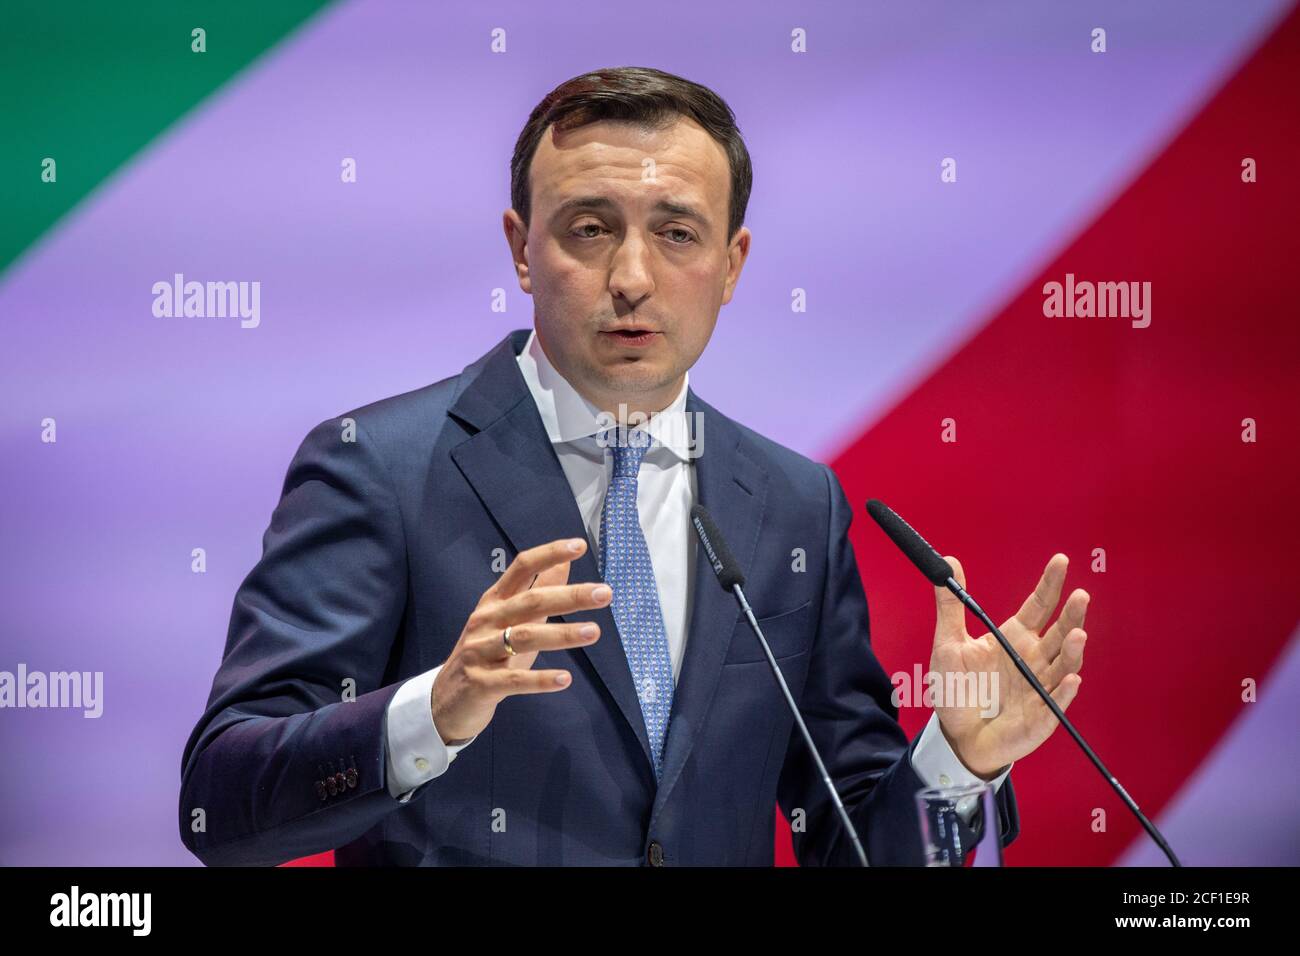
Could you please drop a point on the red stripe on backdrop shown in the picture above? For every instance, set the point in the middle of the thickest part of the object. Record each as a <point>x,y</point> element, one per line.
<point>1083,433</point>
<point>320,859</point>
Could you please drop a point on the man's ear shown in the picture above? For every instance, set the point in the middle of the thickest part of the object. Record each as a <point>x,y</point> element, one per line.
<point>737,253</point>
<point>517,238</point>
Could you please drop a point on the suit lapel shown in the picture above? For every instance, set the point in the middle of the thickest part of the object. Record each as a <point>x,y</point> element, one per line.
<point>733,489</point>
<point>512,467</point>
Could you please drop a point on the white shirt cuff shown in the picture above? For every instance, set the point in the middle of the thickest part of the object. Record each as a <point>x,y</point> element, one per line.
<point>416,752</point>
<point>937,766</point>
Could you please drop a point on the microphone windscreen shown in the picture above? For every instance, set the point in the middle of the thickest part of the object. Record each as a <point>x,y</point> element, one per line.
<point>715,549</point>
<point>916,548</point>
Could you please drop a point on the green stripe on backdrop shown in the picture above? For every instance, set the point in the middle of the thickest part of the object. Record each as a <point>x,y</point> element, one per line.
<point>88,83</point>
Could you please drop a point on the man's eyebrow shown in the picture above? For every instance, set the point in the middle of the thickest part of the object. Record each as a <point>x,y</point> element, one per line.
<point>595,203</point>
<point>605,204</point>
<point>680,209</point>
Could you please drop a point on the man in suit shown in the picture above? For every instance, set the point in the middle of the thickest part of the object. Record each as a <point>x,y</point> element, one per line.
<point>479,632</point>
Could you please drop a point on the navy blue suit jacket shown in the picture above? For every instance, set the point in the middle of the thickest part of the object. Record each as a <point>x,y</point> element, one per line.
<point>377,552</point>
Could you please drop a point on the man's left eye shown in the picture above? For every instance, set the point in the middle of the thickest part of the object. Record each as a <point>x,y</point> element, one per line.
<point>687,237</point>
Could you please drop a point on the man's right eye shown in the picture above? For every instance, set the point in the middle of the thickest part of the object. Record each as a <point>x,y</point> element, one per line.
<point>581,233</point>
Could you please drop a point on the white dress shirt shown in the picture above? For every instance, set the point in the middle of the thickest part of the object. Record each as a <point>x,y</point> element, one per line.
<point>666,490</point>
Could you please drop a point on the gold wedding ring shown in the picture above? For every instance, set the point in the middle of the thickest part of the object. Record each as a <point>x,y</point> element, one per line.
<point>505,637</point>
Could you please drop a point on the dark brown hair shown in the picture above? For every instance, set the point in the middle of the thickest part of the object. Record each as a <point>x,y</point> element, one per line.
<point>640,95</point>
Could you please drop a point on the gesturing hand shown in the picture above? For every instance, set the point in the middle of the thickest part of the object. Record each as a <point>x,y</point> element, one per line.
<point>481,671</point>
<point>984,743</point>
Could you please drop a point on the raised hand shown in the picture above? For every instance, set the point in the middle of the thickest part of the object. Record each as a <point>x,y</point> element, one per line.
<point>986,743</point>
<point>481,671</point>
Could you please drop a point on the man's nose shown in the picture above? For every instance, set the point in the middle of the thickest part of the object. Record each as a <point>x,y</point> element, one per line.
<point>630,273</point>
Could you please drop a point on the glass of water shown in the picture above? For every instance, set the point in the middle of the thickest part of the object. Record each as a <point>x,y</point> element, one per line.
<point>946,836</point>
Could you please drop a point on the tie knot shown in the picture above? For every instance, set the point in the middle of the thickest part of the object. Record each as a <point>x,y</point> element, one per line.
<point>628,448</point>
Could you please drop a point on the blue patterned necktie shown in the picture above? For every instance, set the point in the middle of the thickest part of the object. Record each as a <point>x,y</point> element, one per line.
<point>626,568</point>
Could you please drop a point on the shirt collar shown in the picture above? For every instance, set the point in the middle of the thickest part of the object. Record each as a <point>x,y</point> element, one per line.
<point>570,417</point>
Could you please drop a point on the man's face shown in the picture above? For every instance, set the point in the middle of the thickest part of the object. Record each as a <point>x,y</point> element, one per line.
<point>626,256</point>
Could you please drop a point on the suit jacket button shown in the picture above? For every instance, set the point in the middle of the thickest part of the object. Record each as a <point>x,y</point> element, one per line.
<point>331,786</point>
<point>352,778</point>
<point>320,789</point>
<point>655,854</point>
<point>341,782</point>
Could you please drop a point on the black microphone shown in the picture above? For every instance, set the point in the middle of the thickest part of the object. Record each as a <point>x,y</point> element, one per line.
<point>917,549</point>
<point>733,579</point>
<point>939,573</point>
<point>720,557</point>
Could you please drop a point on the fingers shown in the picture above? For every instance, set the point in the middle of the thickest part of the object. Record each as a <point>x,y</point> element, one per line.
<point>1072,616</point>
<point>1066,692</point>
<point>540,603</point>
<point>528,638</point>
<point>505,681</point>
<point>528,565</point>
<point>958,572</point>
<point>1063,695</point>
<point>555,574</point>
<point>950,614</point>
<point>1037,609</point>
<point>1069,661</point>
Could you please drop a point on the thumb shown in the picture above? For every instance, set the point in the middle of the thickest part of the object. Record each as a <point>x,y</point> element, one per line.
<point>950,614</point>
